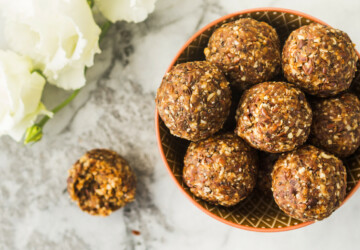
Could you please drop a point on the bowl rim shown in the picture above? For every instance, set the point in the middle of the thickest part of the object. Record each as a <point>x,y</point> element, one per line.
<point>157,127</point>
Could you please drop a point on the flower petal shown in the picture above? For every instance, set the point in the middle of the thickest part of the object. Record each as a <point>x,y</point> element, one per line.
<point>59,35</point>
<point>127,10</point>
<point>20,92</point>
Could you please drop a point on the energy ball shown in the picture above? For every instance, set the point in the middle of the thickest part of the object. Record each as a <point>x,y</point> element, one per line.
<point>335,125</point>
<point>194,100</point>
<point>101,182</point>
<point>247,51</point>
<point>319,59</point>
<point>221,170</point>
<point>308,183</point>
<point>266,166</point>
<point>274,117</point>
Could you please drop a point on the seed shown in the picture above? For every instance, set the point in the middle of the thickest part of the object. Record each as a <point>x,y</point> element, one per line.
<point>210,96</point>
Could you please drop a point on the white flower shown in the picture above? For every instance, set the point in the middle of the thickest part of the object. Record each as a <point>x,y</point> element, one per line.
<point>20,94</point>
<point>60,36</point>
<point>127,10</point>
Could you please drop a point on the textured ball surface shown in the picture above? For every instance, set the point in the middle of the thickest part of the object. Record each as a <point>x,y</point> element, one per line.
<point>194,100</point>
<point>319,59</point>
<point>274,117</point>
<point>248,51</point>
<point>221,170</point>
<point>335,125</point>
<point>308,183</point>
<point>101,182</point>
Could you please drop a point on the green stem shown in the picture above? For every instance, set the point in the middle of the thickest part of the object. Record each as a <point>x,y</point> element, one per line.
<point>45,119</point>
<point>67,101</point>
<point>34,133</point>
<point>104,29</point>
<point>90,3</point>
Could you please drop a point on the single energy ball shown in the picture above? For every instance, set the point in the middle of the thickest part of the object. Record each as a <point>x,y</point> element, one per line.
<point>194,100</point>
<point>308,183</point>
<point>221,170</point>
<point>319,59</point>
<point>247,51</point>
<point>101,182</point>
<point>335,125</point>
<point>266,166</point>
<point>274,117</point>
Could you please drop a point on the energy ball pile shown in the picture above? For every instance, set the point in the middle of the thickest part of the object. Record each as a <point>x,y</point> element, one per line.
<point>301,143</point>
<point>101,182</point>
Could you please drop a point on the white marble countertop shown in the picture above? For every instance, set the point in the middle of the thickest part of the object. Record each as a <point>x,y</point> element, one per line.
<point>116,110</point>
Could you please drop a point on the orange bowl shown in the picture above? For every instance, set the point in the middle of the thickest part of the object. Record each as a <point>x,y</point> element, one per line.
<point>257,212</point>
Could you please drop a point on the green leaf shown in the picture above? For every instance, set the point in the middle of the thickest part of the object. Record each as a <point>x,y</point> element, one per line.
<point>104,29</point>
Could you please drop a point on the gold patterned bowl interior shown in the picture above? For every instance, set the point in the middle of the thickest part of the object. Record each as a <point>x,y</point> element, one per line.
<point>258,212</point>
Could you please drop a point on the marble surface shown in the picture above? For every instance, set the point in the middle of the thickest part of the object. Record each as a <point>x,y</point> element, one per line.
<point>116,110</point>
